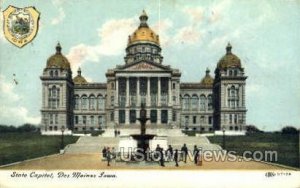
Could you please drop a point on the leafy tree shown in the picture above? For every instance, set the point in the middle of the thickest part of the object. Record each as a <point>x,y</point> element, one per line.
<point>289,130</point>
<point>252,129</point>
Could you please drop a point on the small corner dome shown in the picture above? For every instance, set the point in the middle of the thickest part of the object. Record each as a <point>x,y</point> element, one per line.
<point>79,80</point>
<point>207,81</point>
<point>58,60</point>
<point>229,60</point>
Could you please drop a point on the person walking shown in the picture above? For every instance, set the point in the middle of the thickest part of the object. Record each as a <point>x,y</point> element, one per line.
<point>196,154</point>
<point>108,156</point>
<point>162,160</point>
<point>113,154</point>
<point>104,150</point>
<point>169,153</point>
<point>176,155</point>
<point>184,151</point>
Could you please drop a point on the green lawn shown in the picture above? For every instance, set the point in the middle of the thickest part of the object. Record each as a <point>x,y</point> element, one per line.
<point>287,146</point>
<point>21,146</point>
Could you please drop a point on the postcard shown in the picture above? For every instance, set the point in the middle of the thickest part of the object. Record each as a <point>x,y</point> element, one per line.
<point>162,93</point>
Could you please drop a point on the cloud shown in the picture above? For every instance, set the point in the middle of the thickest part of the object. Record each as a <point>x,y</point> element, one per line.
<point>188,35</point>
<point>61,13</point>
<point>113,36</point>
<point>195,14</point>
<point>162,28</point>
<point>10,107</point>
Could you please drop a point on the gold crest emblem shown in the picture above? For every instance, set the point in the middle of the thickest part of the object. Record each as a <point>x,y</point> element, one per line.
<point>20,25</point>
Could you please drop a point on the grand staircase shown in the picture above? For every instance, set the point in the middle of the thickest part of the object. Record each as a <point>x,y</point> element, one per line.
<point>90,144</point>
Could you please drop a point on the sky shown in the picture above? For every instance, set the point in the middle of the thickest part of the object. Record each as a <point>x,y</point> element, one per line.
<point>193,35</point>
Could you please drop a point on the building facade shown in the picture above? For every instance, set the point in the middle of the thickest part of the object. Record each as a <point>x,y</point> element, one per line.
<point>211,104</point>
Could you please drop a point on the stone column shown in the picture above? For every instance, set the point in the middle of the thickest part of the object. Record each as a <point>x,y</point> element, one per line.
<point>226,96</point>
<point>127,116</point>
<point>243,96</point>
<point>62,97</point>
<point>46,96</point>
<point>158,116</point>
<point>117,92</point>
<point>127,91</point>
<point>158,92</point>
<point>148,92</point>
<point>138,97</point>
<point>169,92</point>
<point>116,115</point>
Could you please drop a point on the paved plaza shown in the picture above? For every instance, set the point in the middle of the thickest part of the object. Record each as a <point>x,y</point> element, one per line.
<point>86,155</point>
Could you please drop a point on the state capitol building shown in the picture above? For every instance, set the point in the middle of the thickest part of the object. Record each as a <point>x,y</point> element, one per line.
<point>214,103</point>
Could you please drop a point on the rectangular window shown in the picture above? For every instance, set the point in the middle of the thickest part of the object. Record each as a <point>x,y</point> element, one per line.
<point>132,116</point>
<point>56,119</point>
<point>121,116</point>
<point>174,116</point>
<point>112,116</point>
<point>164,116</point>
<point>174,99</point>
<point>76,119</point>
<point>100,120</point>
<point>194,119</point>
<point>153,116</point>
<point>112,100</point>
<point>51,119</point>
<point>230,118</point>
<point>235,118</point>
<point>210,120</point>
<point>92,120</point>
<point>84,120</point>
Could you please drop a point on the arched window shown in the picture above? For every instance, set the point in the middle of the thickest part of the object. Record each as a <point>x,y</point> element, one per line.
<point>202,102</point>
<point>236,128</point>
<point>100,101</point>
<point>195,102</point>
<point>186,102</point>
<point>53,97</point>
<point>51,73</point>
<point>92,102</point>
<point>231,128</point>
<point>233,99</point>
<point>209,102</point>
<point>56,73</point>
<point>84,102</point>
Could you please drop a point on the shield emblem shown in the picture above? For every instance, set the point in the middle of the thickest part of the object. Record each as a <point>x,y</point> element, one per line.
<point>20,25</point>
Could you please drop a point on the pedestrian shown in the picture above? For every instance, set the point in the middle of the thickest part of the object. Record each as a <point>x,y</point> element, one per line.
<point>176,157</point>
<point>119,132</point>
<point>116,132</point>
<point>156,153</point>
<point>196,154</point>
<point>113,154</point>
<point>104,150</point>
<point>162,160</point>
<point>108,156</point>
<point>184,151</point>
<point>169,153</point>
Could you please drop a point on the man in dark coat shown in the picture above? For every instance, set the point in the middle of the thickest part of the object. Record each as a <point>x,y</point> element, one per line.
<point>108,156</point>
<point>104,152</point>
<point>196,154</point>
<point>176,155</point>
<point>184,151</point>
<point>162,160</point>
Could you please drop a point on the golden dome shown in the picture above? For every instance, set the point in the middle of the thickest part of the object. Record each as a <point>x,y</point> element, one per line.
<point>58,60</point>
<point>143,33</point>
<point>207,81</point>
<point>229,60</point>
<point>79,80</point>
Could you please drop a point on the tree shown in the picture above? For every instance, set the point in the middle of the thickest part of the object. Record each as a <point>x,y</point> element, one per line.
<point>252,129</point>
<point>289,130</point>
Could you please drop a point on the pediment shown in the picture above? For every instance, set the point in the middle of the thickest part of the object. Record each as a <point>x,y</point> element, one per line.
<point>145,66</point>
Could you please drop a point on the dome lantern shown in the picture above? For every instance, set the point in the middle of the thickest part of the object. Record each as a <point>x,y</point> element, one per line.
<point>143,19</point>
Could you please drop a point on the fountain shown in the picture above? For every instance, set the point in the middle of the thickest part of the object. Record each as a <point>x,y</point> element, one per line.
<point>143,142</point>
